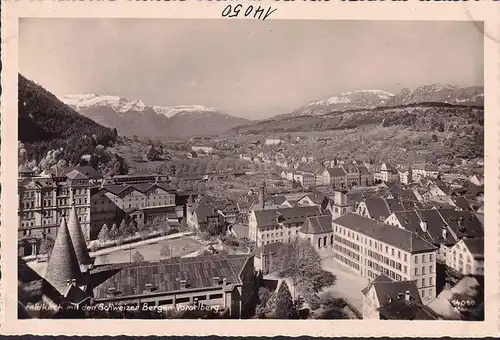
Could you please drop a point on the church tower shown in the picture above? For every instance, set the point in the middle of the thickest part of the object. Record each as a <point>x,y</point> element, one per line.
<point>339,205</point>
<point>78,241</point>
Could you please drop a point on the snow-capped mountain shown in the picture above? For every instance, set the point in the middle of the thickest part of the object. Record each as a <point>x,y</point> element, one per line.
<point>441,93</point>
<point>133,117</point>
<point>360,99</point>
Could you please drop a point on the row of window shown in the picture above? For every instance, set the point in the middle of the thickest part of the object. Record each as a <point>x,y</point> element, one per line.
<point>423,270</point>
<point>347,243</point>
<point>346,261</point>
<point>381,258</point>
<point>347,252</point>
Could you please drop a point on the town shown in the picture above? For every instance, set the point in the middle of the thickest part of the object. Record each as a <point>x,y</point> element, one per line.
<point>324,238</point>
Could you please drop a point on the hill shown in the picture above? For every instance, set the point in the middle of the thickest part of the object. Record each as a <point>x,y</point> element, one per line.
<point>134,118</point>
<point>50,132</point>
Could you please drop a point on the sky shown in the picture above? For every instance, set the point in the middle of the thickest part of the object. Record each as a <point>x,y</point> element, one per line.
<point>247,68</point>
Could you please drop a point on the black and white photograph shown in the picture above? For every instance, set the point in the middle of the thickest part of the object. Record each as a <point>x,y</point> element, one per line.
<point>278,169</point>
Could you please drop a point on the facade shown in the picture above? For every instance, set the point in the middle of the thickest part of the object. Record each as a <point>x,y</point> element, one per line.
<point>318,231</point>
<point>406,175</point>
<point>370,248</point>
<point>388,173</point>
<point>467,256</point>
<point>338,205</point>
<point>306,179</point>
<point>44,201</point>
<point>142,202</point>
<point>424,170</point>
<point>205,149</point>
<point>271,141</point>
<point>279,224</point>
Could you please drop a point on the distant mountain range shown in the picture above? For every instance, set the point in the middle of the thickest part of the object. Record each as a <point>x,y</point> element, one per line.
<point>368,99</point>
<point>133,117</point>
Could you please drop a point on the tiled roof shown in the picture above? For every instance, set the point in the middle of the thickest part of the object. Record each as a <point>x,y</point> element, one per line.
<point>377,208</point>
<point>204,211</point>
<point>164,276</point>
<point>240,230</point>
<point>77,239</point>
<point>407,310</point>
<point>461,202</point>
<point>118,189</point>
<point>394,205</point>
<point>435,224</point>
<point>317,225</point>
<point>336,171</point>
<point>475,246</point>
<point>363,170</point>
<point>63,264</point>
<point>463,223</point>
<point>269,217</point>
<point>396,237</point>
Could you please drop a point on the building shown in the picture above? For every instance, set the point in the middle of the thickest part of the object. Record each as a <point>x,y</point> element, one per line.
<point>405,175</point>
<point>370,248</point>
<point>306,179</point>
<point>338,205</point>
<point>467,256</point>
<point>225,281</point>
<point>382,291</point>
<point>271,141</point>
<point>204,149</point>
<point>264,256</point>
<point>201,215</point>
<point>388,173</point>
<point>44,201</point>
<point>318,231</point>
<point>424,170</point>
<point>280,224</point>
<point>141,202</point>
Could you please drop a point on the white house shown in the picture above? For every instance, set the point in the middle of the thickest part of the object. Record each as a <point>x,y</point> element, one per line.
<point>467,256</point>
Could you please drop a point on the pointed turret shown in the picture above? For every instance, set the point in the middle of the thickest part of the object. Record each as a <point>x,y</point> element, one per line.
<point>78,240</point>
<point>63,265</point>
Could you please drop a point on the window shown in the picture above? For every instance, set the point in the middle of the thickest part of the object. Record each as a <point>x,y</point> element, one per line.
<point>405,269</point>
<point>416,259</point>
<point>386,249</point>
<point>183,300</point>
<point>399,254</point>
<point>392,251</point>
<point>431,269</point>
<point>416,271</point>
<point>406,258</point>
<point>423,270</point>
<point>215,296</point>
<point>423,292</point>
<point>430,258</point>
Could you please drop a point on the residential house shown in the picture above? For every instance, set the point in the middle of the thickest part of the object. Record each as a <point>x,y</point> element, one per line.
<point>424,170</point>
<point>270,141</point>
<point>388,173</point>
<point>192,154</point>
<point>201,215</point>
<point>467,256</point>
<point>405,175</point>
<point>386,299</point>
<point>204,149</point>
<point>279,224</point>
<point>370,248</point>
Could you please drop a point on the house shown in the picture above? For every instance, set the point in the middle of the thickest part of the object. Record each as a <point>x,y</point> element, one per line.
<point>373,208</point>
<point>338,204</point>
<point>239,231</point>
<point>388,173</point>
<point>335,177</point>
<point>382,291</point>
<point>192,154</point>
<point>319,232</point>
<point>201,215</point>
<point>439,188</point>
<point>280,224</point>
<point>405,175</point>
<point>477,179</point>
<point>204,149</point>
<point>424,170</point>
<point>467,256</point>
<point>270,141</point>
<point>370,248</point>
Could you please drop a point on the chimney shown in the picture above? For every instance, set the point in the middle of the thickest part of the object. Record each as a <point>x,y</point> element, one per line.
<point>112,290</point>
<point>217,280</point>
<point>224,282</point>
<point>444,232</point>
<point>423,225</point>
<point>407,295</point>
<point>148,287</point>
<point>261,195</point>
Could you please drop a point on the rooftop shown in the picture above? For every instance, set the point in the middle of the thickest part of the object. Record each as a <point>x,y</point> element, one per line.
<point>165,276</point>
<point>393,236</point>
<point>317,225</point>
<point>269,217</point>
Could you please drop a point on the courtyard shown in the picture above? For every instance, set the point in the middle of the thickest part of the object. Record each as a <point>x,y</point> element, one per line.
<point>177,247</point>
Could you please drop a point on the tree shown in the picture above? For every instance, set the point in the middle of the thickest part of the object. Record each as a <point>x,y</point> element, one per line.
<point>284,303</point>
<point>113,233</point>
<point>299,261</point>
<point>104,234</point>
<point>137,257</point>
<point>165,251</point>
<point>46,246</point>
<point>131,228</point>
<point>122,230</point>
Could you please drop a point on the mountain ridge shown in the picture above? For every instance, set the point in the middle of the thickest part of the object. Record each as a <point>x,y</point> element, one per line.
<point>133,117</point>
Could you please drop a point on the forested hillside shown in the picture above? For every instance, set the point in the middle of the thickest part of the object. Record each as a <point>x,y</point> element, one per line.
<point>51,133</point>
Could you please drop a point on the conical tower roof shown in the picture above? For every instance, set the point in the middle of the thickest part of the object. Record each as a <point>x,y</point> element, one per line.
<point>78,240</point>
<point>63,264</point>
<point>190,200</point>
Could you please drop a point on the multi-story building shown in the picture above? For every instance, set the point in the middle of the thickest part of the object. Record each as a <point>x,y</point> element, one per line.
<point>388,173</point>
<point>279,224</point>
<point>405,175</point>
<point>142,202</point>
<point>424,170</point>
<point>318,231</point>
<point>45,200</point>
<point>467,256</point>
<point>371,248</point>
<point>204,149</point>
<point>338,204</point>
<point>306,179</point>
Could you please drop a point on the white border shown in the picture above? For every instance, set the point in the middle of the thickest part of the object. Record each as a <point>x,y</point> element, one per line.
<point>487,11</point>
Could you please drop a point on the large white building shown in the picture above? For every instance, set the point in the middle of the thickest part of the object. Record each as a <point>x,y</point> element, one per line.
<point>467,256</point>
<point>371,248</point>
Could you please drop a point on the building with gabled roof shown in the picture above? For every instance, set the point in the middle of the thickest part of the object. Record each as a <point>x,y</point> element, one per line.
<point>384,298</point>
<point>281,224</point>
<point>370,248</point>
<point>467,256</point>
<point>319,232</point>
